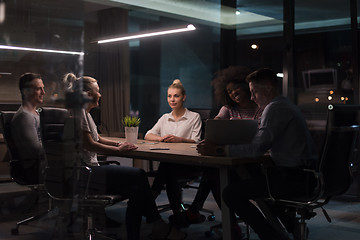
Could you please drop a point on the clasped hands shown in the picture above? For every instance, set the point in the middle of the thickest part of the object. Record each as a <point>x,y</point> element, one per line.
<point>170,139</point>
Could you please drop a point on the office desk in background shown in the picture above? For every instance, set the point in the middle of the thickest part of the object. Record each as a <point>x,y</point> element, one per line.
<point>185,153</point>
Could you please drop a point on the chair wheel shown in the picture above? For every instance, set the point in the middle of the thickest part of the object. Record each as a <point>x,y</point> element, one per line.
<point>211,217</point>
<point>209,233</point>
<point>14,231</point>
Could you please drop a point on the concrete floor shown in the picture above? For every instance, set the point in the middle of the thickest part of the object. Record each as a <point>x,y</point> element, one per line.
<point>345,215</point>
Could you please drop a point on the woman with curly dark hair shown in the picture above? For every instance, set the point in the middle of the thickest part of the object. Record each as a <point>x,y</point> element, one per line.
<point>232,91</point>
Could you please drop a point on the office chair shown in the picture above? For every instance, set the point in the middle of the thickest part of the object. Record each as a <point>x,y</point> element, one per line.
<point>72,184</point>
<point>65,179</point>
<point>205,114</point>
<point>37,189</point>
<point>186,183</point>
<point>332,176</point>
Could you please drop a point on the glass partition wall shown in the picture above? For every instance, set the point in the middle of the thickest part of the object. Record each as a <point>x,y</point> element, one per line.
<point>322,48</point>
<point>316,57</point>
<point>39,36</point>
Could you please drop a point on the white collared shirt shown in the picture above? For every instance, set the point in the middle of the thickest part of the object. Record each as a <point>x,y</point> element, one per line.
<point>188,126</point>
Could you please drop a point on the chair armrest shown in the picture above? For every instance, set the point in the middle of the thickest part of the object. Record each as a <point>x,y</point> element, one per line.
<point>102,160</point>
<point>313,179</point>
<point>108,163</point>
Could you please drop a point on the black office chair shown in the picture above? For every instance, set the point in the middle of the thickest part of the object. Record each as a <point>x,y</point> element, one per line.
<point>37,189</point>
<point>186,183</point>
<point>72,183</point>
<point>205,114</point>
<point>65,178</point>
<point>332,177</point>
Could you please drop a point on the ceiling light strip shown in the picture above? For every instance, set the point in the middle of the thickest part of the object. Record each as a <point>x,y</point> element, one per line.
<point>189,27</point>
<point>39,50</point>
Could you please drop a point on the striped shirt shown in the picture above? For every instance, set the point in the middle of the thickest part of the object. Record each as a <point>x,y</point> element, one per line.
<point>227,112</point>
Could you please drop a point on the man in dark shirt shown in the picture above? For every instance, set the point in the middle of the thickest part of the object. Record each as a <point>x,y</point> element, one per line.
<point>284,134</point>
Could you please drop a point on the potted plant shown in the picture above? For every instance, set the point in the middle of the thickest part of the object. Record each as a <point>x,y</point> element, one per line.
<point>131,125</point>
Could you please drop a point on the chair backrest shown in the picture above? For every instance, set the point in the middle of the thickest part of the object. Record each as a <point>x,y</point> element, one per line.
<point>63,180</point>
<point>5,118</point>
<point>340,145</point>
<point>205,114</point>
<point>52,123</point>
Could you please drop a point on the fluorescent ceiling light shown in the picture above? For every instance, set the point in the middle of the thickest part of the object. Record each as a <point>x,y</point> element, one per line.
<point>2,11</point>
<point>39,50</point>
<point>208,11</point>
<point>189,27</point>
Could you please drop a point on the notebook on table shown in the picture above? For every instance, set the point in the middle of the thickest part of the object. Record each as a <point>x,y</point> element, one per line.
<point>225,132</point>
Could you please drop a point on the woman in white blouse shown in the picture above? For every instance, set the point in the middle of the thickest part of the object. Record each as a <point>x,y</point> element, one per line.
<point>180,125</point>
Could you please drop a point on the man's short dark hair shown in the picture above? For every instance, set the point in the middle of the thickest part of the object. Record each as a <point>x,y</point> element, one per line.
<point>26,78</point>
<point>263,76</point>
<point>25,81</point>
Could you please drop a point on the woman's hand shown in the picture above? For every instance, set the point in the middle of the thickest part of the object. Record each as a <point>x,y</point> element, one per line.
<point>123,147</point>
<point>171,138</point>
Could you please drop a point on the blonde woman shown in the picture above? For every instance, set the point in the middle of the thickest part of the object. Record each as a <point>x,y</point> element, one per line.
<point>115,179</point>
<point>180,125</point>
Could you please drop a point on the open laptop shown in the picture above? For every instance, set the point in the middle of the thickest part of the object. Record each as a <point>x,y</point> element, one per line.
<point>225,132</point>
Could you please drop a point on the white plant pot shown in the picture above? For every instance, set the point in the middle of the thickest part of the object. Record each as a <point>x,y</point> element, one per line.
<point>131,134</point>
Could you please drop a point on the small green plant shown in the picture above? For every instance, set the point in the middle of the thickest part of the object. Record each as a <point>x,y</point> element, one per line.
<point>129,121</point>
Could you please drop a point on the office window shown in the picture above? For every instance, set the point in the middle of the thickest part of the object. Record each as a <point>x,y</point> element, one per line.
<point>39,26</point>
<point>323,51</point>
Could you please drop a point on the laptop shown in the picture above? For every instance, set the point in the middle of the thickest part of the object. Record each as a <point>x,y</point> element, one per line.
<point>225,131</point>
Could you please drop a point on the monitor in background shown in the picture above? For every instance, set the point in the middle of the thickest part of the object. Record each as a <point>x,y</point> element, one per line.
<point>320,79</point>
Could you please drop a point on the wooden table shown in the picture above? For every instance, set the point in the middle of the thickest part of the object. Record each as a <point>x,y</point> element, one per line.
<point>186,153</point>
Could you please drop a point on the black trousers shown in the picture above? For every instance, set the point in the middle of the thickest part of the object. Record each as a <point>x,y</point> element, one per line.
<point>172,175</point>
<point>210,182</point>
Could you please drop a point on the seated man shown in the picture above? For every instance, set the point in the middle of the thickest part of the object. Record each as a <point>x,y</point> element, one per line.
<point>284,134</point>
<point>25,130</point>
